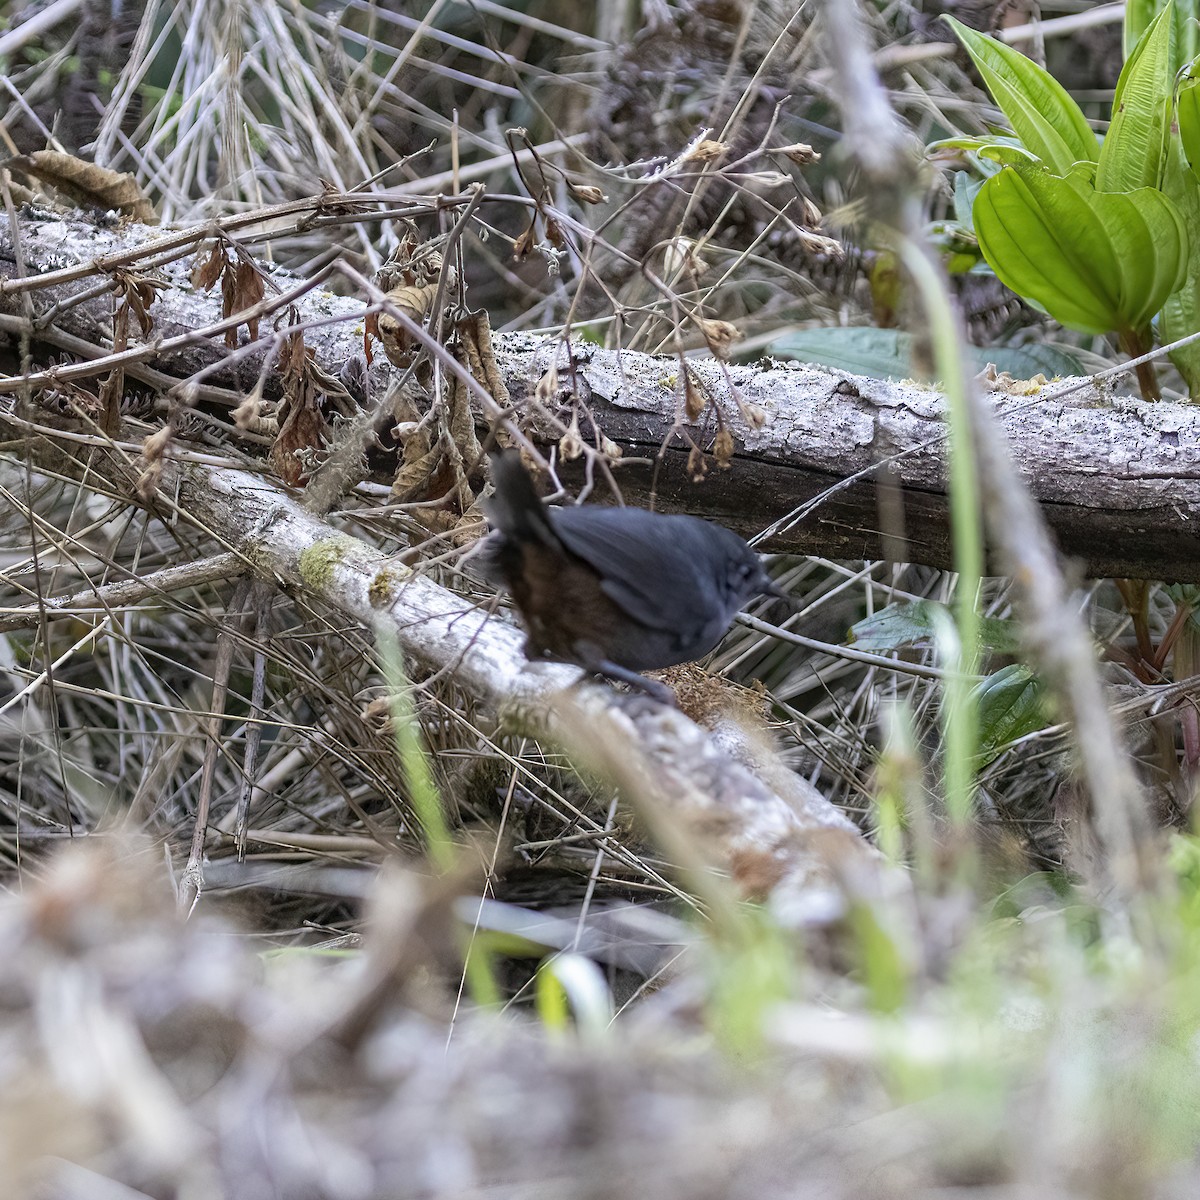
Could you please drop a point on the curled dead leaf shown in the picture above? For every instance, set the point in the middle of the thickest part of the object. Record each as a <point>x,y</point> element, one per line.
<point>570,445</point>
<point>207,271</point>
<point>706,151</point>
<point>546,391</point>
<point>720,336</point>
<point>524,244</point>
<point>586,193</point>
<point>694,398</point>
<point>137,291</point>
<point>249,291</point>
<point>723,449</point>
<point>801,153</point>
<point>87,183</point>
<point>155,445</point>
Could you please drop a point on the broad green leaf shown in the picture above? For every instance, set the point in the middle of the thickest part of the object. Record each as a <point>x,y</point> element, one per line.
<point>1139,14</point>
<point>1043,115</point>
<point>1010,706</point>
<point>913,624</point>
<point>1096,261</point>
<point>887,353</point>
<point>1132,153</point>
<point>1180,314</point>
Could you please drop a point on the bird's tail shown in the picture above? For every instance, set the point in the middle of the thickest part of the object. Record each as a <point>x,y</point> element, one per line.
<point>516,509</point>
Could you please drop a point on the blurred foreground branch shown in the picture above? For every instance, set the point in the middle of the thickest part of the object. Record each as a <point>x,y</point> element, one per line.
<point>779,839</point>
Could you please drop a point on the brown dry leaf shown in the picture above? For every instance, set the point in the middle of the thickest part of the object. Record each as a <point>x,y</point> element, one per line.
<point>138,292</point>
<point>228,304</point>
<point>439,453</point>
<point>801,153</point>
<point>524,244</point>
<point>303,429</point>
<point>88,184</point>
<point>475,333</point>
<point>706,151</point>
<point>720,336</point>
<point>570,445</point>
<point>302,425</point>
<point>206,272</point>
<point>243,286</point>
<point>697,467</point>
<point>248,292</point>
<point>248,414</point>
<point>370,330</point>
<point>154,453</point>
<point>695,398</point>
<point>111,391</point>
<point>415,303</point>
<point>586,193</point>
<point>723,449</point>
<point>546,391</point>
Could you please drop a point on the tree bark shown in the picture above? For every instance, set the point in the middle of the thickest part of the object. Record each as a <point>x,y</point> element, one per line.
<point>1118,479</point>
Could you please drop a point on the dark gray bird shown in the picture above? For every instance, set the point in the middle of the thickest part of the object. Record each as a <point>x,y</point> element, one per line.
<point>615,590</point>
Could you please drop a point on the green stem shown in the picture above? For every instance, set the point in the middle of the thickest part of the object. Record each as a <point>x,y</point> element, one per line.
<point>960,710</point>
<point>1135,343</point>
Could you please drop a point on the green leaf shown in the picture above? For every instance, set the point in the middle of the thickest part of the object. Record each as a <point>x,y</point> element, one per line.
<point>887,353</point>
<point>998,149</point>
<point>1010,706</point>
<point>1045,118</point>
<point>1180,314</point>
<point>913,624</point>
<point>1187,114</point>
<point>965,191</point>
<point>1132,154</point>
<point>1139,14</point>
<point>1096,261</point>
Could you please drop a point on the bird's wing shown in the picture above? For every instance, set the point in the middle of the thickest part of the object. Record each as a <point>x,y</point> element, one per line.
<point>642,558</point>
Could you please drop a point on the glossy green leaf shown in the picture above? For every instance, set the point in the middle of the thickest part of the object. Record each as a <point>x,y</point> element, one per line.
<point>887,353</point>
<point>1010,706</point>
<point>1133,151</point>
<point>914,624</point>
<point>1045,118</point>
<point>1096,261</point>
